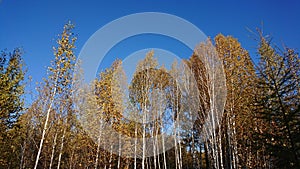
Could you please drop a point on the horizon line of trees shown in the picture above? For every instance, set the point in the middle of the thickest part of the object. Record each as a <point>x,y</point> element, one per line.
<point>259,128</point>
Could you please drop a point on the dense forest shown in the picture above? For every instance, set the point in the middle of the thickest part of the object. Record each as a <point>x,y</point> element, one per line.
<point>74,125</point>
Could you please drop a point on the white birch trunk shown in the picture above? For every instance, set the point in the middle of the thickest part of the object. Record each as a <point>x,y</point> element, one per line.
<point>45,126</point>
<point>110,156</point>
<point>135,145</point>
<point>120,148</point>
<point>98,146</point>
<point>53,150</point>
<point>144,141</point>
<point>61,148</point>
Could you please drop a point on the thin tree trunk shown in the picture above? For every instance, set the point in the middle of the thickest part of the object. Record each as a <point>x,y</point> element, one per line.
<point>175,143</point>
<point>46,121</point>
<point>104,156</point>
<point>220,148</point>
<point>22,153</point>
<point>235,149</point>
<point>53,150</point>
<point>158,156</point>
<point>98,146</point>
<point>177,130</point>
<point>193,151</point>
<point>144,141</point>
<point>110,156</point>
<point>180,152</point>
<point>135,144</point>
<point>144,132</point>
<point>230,154</point>
<point>61,148</point>
<point>154,143</point>
<point>120,148</point>
<point>71,159</point>
<point>45,127</point>
<point>164,150</point>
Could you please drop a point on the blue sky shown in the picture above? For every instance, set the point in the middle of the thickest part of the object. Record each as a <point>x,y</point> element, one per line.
<point>34,25</point>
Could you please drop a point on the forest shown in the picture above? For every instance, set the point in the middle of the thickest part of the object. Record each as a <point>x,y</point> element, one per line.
<point>216,109</point>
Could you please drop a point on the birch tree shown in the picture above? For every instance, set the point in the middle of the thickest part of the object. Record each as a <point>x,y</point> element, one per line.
<point>213,79</point>
<point>58,82</point>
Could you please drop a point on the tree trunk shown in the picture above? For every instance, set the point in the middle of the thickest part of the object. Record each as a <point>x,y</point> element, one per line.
<point>45,126</point>
<point>53,150</point>
<point>98,146</point>
<point>61,148</point>
<point>110,156</point>
<point>135,144</point>
<point>120,148</point>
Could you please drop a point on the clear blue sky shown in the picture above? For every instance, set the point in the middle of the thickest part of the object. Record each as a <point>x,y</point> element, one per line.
<point>34,24</point>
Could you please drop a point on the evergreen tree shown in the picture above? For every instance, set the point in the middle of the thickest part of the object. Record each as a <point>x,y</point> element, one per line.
<point>11,106</point>
<point>278,103</point>
<point>11,88</point>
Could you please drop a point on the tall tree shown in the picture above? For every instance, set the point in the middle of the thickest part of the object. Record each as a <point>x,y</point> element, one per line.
<point>209,75</point>
<point>11,106</point>
<point>11,87</point>
<point>151,93</point>
<point>278,103</point>
<point>140,91</point>
<point>59,85</point>
<point>110,101</point>
<point>236,122</point>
